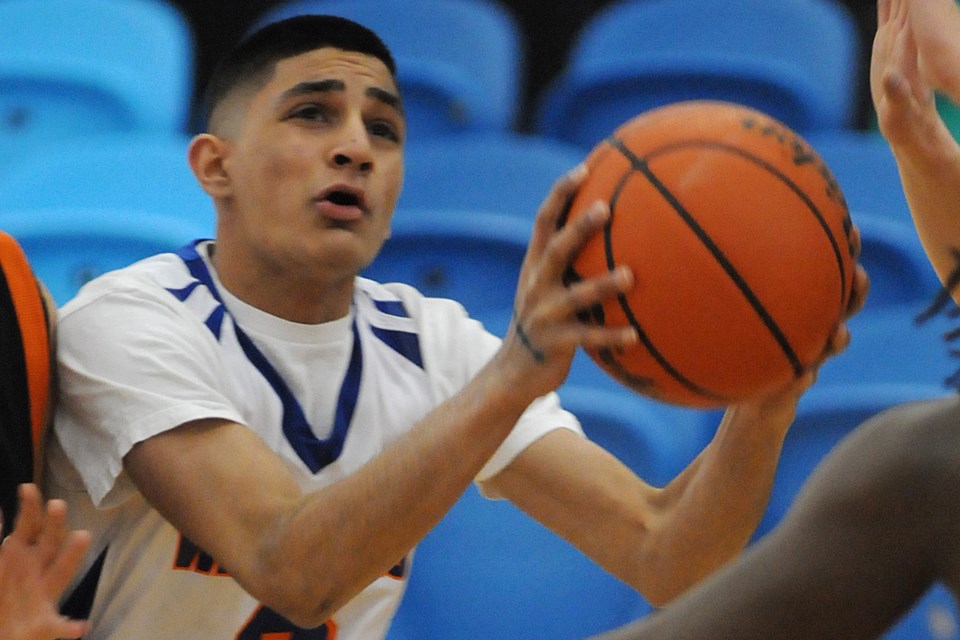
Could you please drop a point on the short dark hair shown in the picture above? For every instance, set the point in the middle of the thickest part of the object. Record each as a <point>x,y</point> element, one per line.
<point>253,60</point>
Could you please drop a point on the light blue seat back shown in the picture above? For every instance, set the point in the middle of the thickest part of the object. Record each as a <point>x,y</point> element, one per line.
<point>866,171</point>
<point>460,62</point>
<point>68,247</point>
<point>796,60</point>
<point>70,67</point>
<point>889,345</point>
<point>470,256</point>
<point>144,172</point>
<point>893,257</point>
<point>497,171</point>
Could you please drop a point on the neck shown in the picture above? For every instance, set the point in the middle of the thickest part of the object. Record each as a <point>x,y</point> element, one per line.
<point>284,292</point>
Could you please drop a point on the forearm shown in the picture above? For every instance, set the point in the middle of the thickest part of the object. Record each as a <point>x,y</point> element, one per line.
<point>931,183</point>
<point>713,507</point>
<point>338,540</point>
<point>868,534</point>
<point>915,53</point>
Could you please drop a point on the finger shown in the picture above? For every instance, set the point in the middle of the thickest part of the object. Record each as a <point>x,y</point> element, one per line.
<point>29,521</point>
<point>855,241</point>
<point>839,340</point>
<point>556,202</point>
<point>614,338</point>
<point>883,12</point>
<point>564,245</point>
<point>54,531</point>
<point>70,628</point>
<point>592,291</point>
<point>859,291</point>
<point>66,563</point>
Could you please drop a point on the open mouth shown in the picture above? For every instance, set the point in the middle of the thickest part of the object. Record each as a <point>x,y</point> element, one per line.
<point>343,198</point>
<point>342,203</point>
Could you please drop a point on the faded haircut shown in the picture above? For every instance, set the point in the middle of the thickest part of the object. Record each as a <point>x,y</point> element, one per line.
<point>251,63</point>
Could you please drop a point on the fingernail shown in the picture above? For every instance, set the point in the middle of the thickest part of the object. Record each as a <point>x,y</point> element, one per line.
<point>598,211</point>
<point>578,172</point>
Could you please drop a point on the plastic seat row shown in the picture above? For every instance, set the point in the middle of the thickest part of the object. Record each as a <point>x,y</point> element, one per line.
<point>130,65</point>
<point>489,570</point>
<point>83,68</point>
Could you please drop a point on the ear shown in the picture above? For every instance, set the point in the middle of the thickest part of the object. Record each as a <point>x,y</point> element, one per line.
<point>206,155</point>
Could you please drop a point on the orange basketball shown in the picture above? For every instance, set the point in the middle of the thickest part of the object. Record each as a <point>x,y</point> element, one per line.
<point>739,240</point>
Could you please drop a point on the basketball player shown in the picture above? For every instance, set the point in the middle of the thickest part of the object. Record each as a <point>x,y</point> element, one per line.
<point>878,523</point>
<point>258,438</point>
<point>38,557</point>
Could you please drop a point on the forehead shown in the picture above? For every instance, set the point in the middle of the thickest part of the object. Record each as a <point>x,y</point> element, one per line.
<point>351,67</point>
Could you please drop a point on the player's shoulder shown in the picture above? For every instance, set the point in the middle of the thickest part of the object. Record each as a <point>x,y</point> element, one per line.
<point>148,279</point>
<point>404,299</point>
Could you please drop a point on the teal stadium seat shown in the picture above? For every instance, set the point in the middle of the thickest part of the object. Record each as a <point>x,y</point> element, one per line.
<point>471,256</point>
<point>900,274</point>
<point>866,171</point>
<point>134,171</point>
<point>496,171</point>
<point>460,62</point>
<point>934,617</point>
<point>68,247</point>
<point>796,60</point>
<point>79,68</point>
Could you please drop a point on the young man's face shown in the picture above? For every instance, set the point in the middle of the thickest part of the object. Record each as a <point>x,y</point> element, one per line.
<point>316,164</point>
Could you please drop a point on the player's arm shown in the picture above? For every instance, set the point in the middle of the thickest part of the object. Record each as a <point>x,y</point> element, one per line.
<point>871,530</point>
<point>660,541</point>
<point>305,555</point>
<point>915,52</point>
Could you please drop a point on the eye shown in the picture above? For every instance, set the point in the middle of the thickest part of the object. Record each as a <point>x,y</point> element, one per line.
<point>383,129</point>
<point>310,111</point>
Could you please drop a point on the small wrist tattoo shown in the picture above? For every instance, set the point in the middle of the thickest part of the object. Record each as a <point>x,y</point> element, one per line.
<point>539,356</point>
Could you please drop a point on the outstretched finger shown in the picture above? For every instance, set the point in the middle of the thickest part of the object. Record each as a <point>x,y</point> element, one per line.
<point>859,291</point>
<point>555,204</point>
<point>883,12</point>
<point>29,521</point>
<point>54,531</point>
<point>595,290</point>
<point>66,562</point>
<point>568,241</point>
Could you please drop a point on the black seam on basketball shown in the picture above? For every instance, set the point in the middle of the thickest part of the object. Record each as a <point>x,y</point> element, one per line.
<point>834,244</point>
<point>640,383</point>
<point>718,255</point>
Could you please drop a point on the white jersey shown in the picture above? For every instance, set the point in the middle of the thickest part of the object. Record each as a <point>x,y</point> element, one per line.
<point>153,346</point>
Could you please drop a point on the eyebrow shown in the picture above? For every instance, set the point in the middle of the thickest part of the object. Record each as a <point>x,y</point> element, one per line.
<point>326,86</point>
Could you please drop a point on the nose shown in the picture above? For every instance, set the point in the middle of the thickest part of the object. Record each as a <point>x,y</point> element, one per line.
<point>354,149</point>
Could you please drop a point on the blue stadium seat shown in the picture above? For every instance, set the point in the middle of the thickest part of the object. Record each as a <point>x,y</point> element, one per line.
<point>497,171</point>
<point>893,256</point>
<point>934,617</point>
<point>889,346</point>
<point>460,62</point>
<point>471,256</point>
<point>146,172</point>
<point>89,67</point>
<point>866,171</point>
<point>489,571</point>
<point>70,246</point>
<point>794,59</point>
